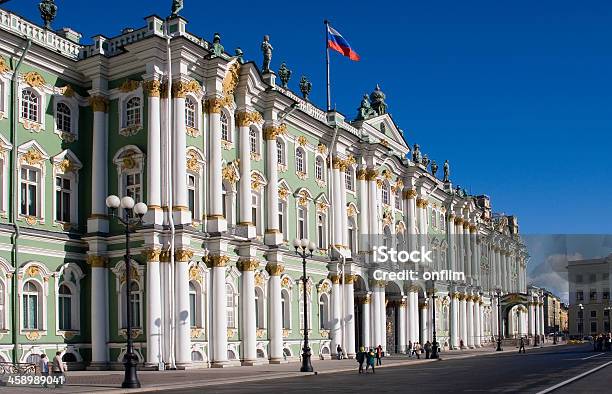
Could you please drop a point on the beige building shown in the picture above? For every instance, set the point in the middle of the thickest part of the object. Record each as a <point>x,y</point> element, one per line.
<point>589,292</point>
<point>563,318</point>
<point>552,312</point>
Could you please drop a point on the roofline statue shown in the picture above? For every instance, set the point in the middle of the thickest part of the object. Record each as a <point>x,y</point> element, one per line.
<point>177,6</point>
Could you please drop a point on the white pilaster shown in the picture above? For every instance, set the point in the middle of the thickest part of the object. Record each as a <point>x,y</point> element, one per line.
<point>180,208</point>
<point>454,315</point>
<point>349,302</point>
<point>275,322</point>
<point>99,312</point>
<point>463,321</point>
<point>402,326</point>
<point>216,222</point>
<point>424,323</point>
<point>246,218</point>
<point>247,265</point>
<point>154,307</point>
<point>363,207</point>
<point>470,320</point>
<point>217,265</point>
<point>365,322</point>
<point>336,310</point>
<point>273,235</point>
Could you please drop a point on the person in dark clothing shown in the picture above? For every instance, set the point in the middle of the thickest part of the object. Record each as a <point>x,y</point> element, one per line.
<point>361,356</point>
<point>379,355</point>
<point>370,356</point>
<point>339,352</point>
<point>427,349</point>
<point>522,345</point>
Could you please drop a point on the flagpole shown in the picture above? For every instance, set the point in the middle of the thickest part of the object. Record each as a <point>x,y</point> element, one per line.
<point>326,22</point>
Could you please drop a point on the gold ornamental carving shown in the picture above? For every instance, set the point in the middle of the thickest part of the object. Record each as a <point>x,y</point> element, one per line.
<point>371,175</point>
<point>192,162</point>
<point>183,255</point>
<point>378,283</point>
<point>67,91</point>
<point>97,261</point>
<point>472,228</point>
<point>33,271</point>
<point>33,335</point>
<point>230,174</point>
<point>361,174</point>
<point>322,207</point>
<point>466,225</point>
<point>213,105</point>
<point>128,163</point>
<point>322,149</point>
<point>271,132</point>
<point>34,79</point>
<point>458,221</point>
<point>195,333</point>
<point>324,288</point>
<point>275,269</point>
<point>366,300</point>
<point>283,193</point>
<point>219,261</point>
<point>261,333</point>
<point>65,166</point>
<point>98,103</point>
<point>245,119</point>
<point>349,279</point>
<point>3,66</point>
<point>303,199</point>
<point>399,185</point>
<point>350,211</point>
<point>32,157</point>
<point>151,254</point>
<point>302,141</point>
<point>152,88</point>
<point>129,85</point>
<point>250,264</point>
<point>230,82</point>
<point>410,194</point>
<point>335,279</point>
<point>195,274</point>
<point>259,279</point>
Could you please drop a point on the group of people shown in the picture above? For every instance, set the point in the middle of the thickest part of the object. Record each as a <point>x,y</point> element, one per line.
<point>370,357</point>
<point>416,349</point>
<point>57,365</point>
<point>602,342</point>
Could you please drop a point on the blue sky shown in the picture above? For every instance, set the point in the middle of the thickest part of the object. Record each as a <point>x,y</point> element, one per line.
<point>516,95</point>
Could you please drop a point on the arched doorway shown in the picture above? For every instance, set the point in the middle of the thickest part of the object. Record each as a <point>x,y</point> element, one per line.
<point>513,314</point>
<point>393,297</point>
<point>361,297</point>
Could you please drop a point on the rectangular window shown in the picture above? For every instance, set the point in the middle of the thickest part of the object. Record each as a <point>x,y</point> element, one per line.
<point>579,295</point>
<point>192,309</point>
<point>349,180</point>
<point>63,192</point>
<point>593,295</point>
<point>191,194</point>
<point>321,232</point>
<point>594,314</point>
<point>605,294</point>
<point>133,186</point>
<point>231,321</point>
<point>281,219</point>
<point>29,192</point>
<point>30,312</point>
<point>65,313</point>
<point>301,223</point>
<point>593,327</point>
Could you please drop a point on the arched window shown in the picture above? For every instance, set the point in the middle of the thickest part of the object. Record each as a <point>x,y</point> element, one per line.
<point>385,193</point>
<point>64,308</point>
<point>63,117</point>
<point>31,297</point>
<point>302,231</point>
<point>30,104</point>
<point>299,160</point>
<point>135,302</point>
<point>259,308</point>
<point>398,198</point>
<point>2,306</point>
<point>319,168</point>
<point>321,228</point>
<point>324,312</point>
<point>285,309</point>
<point>280,151</point>
<point>193,305</point>
<point>190,113</point>
<point>132,112</point>
<point>231,306</point>
<point>225,135</point>
<point>253,140</point>
<point>350,185</point>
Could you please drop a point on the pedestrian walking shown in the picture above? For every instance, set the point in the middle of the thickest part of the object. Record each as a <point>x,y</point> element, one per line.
<point>339,352</point>
<point>427,349</point>
<point>522,345</point>
<point>417,350</point>
<point>361,356</point>
<point>409,348</point>
<point>370,360</point>
<point>43,366</point>
<point>379,355</point>
<point>58,368</point>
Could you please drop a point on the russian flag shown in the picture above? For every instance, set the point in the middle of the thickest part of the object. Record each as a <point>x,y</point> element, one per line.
<point>336,42</point>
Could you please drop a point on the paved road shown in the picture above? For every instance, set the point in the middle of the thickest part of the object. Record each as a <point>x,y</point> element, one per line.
<point>535,371</point>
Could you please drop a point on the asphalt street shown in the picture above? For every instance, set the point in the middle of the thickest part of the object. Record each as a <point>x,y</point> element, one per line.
<point>538,370</point>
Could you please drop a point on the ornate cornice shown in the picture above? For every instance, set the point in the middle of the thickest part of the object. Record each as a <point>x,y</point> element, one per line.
<point>246,118</point>
<point>151,254</point>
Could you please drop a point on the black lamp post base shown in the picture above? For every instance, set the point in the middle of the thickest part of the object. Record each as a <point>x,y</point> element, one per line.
<point>131,379</point>
<point>434,351</point>
<point>306,365</point>
<point>499,347</point>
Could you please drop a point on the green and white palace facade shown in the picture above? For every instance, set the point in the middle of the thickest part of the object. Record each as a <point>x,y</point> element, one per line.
<point>233,167</point>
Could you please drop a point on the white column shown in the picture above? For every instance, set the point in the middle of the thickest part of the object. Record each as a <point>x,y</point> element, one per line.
<point>476,315</point>
<point>402,326</point>
<point>249,320</point>
<point>182,318</point>
<point>154,307</point>
<point>273,235</point>
<point>99,162</point>
<point>337,204</point>
<point>275,321</point>
<point>373,207</point>
<point>336,310</point>
<point>154,147</point>
<point>537,319</point>
<point>460,246</point>
<point>217,264</point>
<point>452,244</point>
<point>454,315</point>
<point>469,308</point>
<point>243,120</point>
<point>343,215</point>
<point>542,332</point>
<point>363,208</point>
<point>530,319</point>
<point>494,316</point>
<point>474,255</point>
<point>415,316</point>
<point>349,307</point>
<point>365,322</point>
<point>424,321</point>
<point>216,221</point>
<point>99,312</point>
<point>463,320</point>
<point>467,242</point>
<point>179,159</point>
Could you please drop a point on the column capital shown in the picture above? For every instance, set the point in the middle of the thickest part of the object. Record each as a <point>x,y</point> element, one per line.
<point>371,174</point>
<point>361,174</point>
<point>378,283</point>
<point>335,278</point>
<point>246,118</point>
<point>410,194</point>
<point>214,261</point>
<point>183,255</point>
<point>275,269</point>
<point>98,103</point>
<point>349,279</point>
<point>151,253</point>
<point>270,132</point>
<point>97,261</point>
<point>213,105</point>
<point>152,88</point>
<point>247,264</point>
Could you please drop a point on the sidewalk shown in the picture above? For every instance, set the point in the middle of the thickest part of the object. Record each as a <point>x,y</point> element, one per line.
<point>102,382</point>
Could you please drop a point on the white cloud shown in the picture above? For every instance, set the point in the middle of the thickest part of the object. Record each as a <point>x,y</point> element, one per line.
<point>552,274</point>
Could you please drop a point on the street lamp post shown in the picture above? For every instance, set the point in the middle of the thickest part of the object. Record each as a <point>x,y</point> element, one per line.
<point>434,345</point>
<point>130,217</point>
<point>499,321</point>
<point>304,249</point>
<point>581,321</point>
